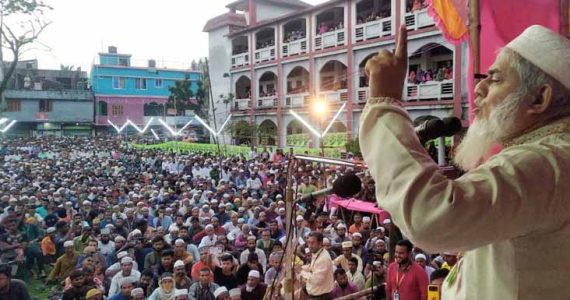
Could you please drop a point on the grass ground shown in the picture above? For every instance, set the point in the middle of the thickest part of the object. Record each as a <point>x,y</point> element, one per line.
<point>38,289</point>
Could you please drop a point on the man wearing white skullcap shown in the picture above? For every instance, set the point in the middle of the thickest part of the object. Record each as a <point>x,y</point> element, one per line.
<point>181,294</point>
<point>65,264</point>
<point>254,288</point>
<point>235,294</point>
<point>523,107</point>
<point>126,272</point>
<point>221,293</point>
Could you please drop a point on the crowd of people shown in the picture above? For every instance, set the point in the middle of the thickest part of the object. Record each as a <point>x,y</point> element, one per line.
<point>373,16</point>
<point>94,218</point>
<point>325,27</point>
<point>265,44</point>
<point>294,35</point>
<point>422,76</point>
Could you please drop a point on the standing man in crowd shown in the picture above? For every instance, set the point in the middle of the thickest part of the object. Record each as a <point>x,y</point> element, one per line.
<point>406,279</point>
<point>318,275</point>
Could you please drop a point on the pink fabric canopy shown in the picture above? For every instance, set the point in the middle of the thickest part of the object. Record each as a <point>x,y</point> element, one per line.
<point>358,205</point>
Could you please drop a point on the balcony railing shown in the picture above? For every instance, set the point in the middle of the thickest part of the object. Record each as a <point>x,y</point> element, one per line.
<point>240,60</point>
<point>241,104</point>
<point>418,19</point>
<point>294,48</point>
<point>297,100</point>
<point>334,96</point>
<point>373,30</point>
<point>431,90</point>
<point>330,39</point>
<point>362,95</point>
<point>265,54</point>
<point>267,102</point>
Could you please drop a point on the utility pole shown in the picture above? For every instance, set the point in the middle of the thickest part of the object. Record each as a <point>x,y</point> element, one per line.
<point>207,75</point>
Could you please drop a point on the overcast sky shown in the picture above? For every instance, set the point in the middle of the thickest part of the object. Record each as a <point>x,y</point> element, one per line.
<point>167,30</point>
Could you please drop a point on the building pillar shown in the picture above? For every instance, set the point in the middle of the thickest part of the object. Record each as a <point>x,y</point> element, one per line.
<point>280,141</point>
<point>350,83</point>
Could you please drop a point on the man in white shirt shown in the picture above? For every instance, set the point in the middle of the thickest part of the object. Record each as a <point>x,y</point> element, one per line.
<point>251,247</point>
<point>126,272</point>
<point>318,275</point>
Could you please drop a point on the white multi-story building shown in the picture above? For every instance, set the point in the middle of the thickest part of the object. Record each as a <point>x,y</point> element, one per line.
<point>282,55</point>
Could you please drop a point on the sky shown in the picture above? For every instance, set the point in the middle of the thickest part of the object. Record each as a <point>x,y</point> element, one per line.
<point>169,31</point>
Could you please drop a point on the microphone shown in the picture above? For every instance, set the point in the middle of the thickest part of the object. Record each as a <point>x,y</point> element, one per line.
<point>345,186</point>
<point>451,126</point>
<point>430,129</point>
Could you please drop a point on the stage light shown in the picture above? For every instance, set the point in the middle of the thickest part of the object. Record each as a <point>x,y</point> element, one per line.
<point>333,120</point>
<point>3,120</point>
<point>224,125</point>
<point>154,133</point>
<point>8,126</point>
<point>205,125</point>
<point>313,130</point>
<point>320,107</point>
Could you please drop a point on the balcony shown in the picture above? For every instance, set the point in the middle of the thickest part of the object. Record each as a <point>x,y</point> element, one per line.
<point>334,96</point>
<point>241,104</point>
<point>373,30</point>
<point>330,39</point>
<point>294,48</point>
<point>296,100</point>
<point>265,54</point>
<point>267,102</point>
<point>431,90</point>
<point>362,95</point>
<point>240,60</point>
<point>418,19</point>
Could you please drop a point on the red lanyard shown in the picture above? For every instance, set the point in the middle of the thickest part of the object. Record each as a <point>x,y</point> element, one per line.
<point>398,280</point>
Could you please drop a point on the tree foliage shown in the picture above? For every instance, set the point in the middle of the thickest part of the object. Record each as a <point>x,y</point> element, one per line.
<point>181,95</point>
<point>18,36</point>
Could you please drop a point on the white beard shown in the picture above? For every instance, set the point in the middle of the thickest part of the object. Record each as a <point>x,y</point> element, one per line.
<point>484,133</point>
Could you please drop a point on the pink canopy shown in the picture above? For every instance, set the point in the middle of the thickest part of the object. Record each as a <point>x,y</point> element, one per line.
<point>358,205</point>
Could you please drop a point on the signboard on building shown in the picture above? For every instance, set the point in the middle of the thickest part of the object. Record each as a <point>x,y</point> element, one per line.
<point>41,116</point>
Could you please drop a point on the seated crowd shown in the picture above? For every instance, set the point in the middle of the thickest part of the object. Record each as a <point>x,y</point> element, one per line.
<point>96,220</point>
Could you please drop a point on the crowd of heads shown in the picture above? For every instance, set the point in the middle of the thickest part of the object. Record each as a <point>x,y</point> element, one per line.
<point>96,218</point>
<point>420,76</point>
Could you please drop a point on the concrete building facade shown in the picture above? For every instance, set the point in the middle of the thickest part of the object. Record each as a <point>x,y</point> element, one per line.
<point>275,56</point>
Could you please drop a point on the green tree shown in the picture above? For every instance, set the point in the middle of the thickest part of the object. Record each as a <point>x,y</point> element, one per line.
<point>181,95</point>
<point>67,68</point>
<point>18,36</point>
<point>226,100</point>
<point>242,132</point>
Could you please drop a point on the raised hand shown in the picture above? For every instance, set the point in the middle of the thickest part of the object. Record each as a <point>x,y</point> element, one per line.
<point>387,71</point>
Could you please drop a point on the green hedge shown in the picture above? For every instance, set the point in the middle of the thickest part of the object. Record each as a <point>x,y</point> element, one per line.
<point>183,147</point>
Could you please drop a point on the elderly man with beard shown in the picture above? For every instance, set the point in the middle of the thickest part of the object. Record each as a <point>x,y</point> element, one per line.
<point>254,289</point>
<point>504,210</point>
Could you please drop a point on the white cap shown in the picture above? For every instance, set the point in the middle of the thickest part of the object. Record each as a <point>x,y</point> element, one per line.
<point>253,273</point>
<point>137,292</point>
<point>547,50</point>
<point>178,264</point>
<point>127,260</point>
<point>420,256</point>
<point>122,254</point>
<point>136,231</point>
<point>181,292</point>
<point>235,292</point>
<point>51,230</point>
<point>341,226</point>
<point>68,244</point>
<point>179,242</point>
<point>347,244</point>
<point>299,218</point>
<point>220,291</point>
<point>386,221</point>
<point>119,238</point>
<point>366,219</point>
<point>127,280</point>
<point>358,234</point>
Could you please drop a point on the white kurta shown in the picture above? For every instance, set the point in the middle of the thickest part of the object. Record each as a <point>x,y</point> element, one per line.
<point>511,215</point>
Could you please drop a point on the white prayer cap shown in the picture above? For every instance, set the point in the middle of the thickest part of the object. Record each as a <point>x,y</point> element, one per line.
<point>421,256</point>
<point>119,238</point>
<point>209,226</point>
<point>122,254</point>
<point>235,292</point>
<point>51,230</point>
<point>137,292</point>
<point>136,232</point>
<point>386,221</point>
<point>547,50</point>
<point>347,244</point>
<point>358,234</point>
<point>68,244</point>
<point>366,219</point>
<point>179,242</point>
<point>127,260</point>
<point>251,238</point>
<point>127,280</point>
<point>253,273</point>
<point>377,263</point>
<point>220,291</point>
<point>381,229</point>
<point>299,218</point>
<point>341,226</point>
<point>178,264</point>
<point>182,292</point>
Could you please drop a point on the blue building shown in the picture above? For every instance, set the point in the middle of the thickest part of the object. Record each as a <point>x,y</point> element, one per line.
<point>126,92</point>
